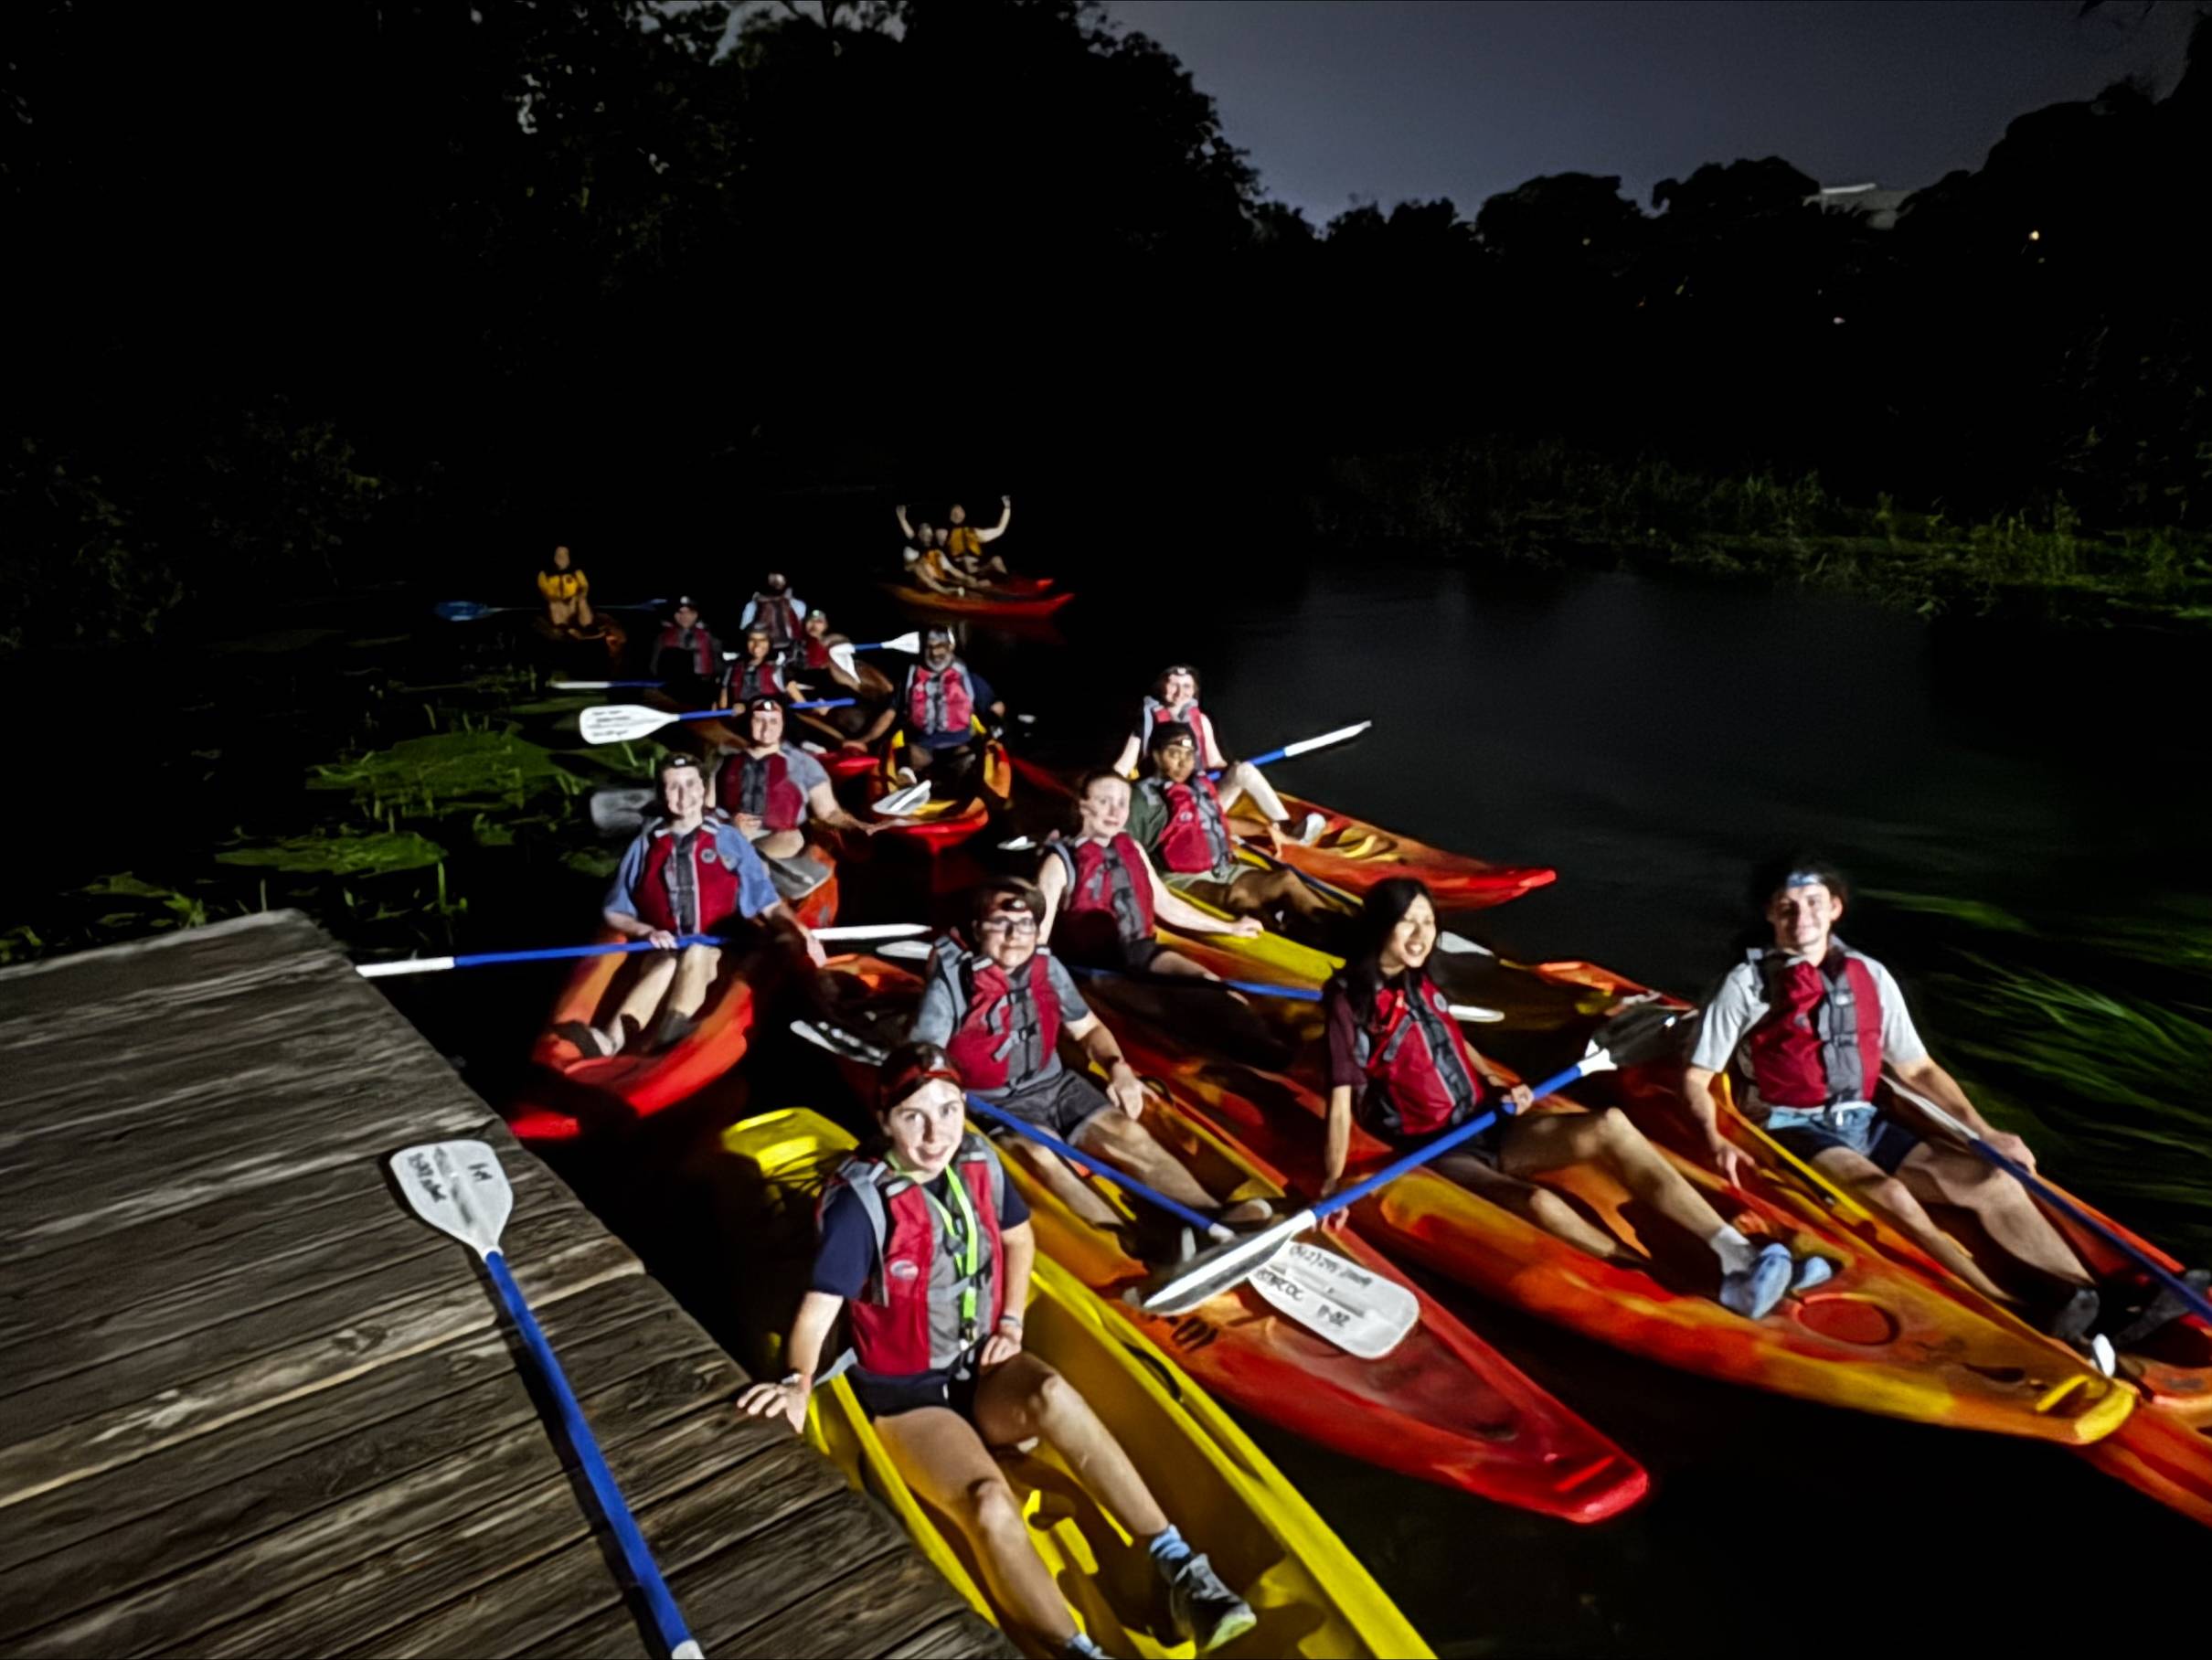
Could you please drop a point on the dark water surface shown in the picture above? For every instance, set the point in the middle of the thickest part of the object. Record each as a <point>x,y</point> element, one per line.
<point>2025,812</point>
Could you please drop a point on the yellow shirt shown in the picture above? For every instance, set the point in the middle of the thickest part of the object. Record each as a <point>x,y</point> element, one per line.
<point>965,543</point>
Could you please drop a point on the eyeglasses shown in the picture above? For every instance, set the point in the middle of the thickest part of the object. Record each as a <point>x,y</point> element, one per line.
<point>1008,925</point>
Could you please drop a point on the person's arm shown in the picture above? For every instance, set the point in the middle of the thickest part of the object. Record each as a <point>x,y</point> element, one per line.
<point>821,803</point>
<point>1336,1141</point>
<point>745,617</point>
<point>1052,882</point>
<point>1006,517</point>
<point>905,529</point>
<point>621,910</point>
<point>1019,1244</point>
<point>1177,912</point>
<point>1941,1087</point>
<point>1126,763</point>
<point>884,722</point>
<point>1103,1049</point>
<point>1215,761</point>
<point>935,1017</point>
<point>1705,1107</point>
<point>1731,1013</point>
<point>927,571</point>
<point>758,898</point>
<point>817,1317</point>
<point>986,698</point>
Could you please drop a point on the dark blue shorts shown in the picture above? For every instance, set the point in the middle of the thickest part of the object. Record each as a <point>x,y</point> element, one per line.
<point>888,1396</point>
<point>1870,1135</point>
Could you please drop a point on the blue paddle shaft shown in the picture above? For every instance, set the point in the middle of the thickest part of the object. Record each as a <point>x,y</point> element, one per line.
<point>1122,1179</point>
<point>552,952</point>
<point>637,1557</point>
<point>1443,1143</point>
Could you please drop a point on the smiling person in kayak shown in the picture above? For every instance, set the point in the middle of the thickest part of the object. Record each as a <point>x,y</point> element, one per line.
<point>928,1249</point>
<point>1000,1009</point>
<point>1400,1064</point>
<point>964,542</point>
<point>780,610</point>
<point>936,712</point>
<point>1102,896</point>
<point>1178,817</point>
<point>1174,696</point>
<point>687,657</point>
<point>687,873</point>
<point>756,673</point>
<point>770,788</point>
<point>1809,1024</point>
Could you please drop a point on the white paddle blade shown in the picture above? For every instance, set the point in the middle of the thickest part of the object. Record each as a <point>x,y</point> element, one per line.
<point>842,656</point>
<point>1225,1267</point>
<point>1476,1013</point>
<point>617,812</point>
<point>838,1042</point>
<point>899,803</point>
<point>909,643</point>
<point>873,930</point>
<point>621,722</point>
<point>1020,843</point>
<point>582,686</point>
<point>1357,1310</point>
<point>905,951</point>
<point>1459,945</point>
<point>1306,746</point>
<point>457,1188</point>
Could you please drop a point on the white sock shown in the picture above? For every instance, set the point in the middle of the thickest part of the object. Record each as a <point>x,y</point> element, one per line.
<point>1734,1251</point>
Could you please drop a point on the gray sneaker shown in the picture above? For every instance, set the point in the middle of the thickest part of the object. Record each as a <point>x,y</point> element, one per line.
<point>1310,829</point>
<point>1206,1610</point>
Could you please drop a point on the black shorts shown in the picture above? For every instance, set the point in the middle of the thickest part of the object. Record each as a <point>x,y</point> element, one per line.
<point>1062,1103</point>
<point>888,1396</point>
<point>1483,1146</point>
<point>1885,1144</point>
<point>1117,956</point>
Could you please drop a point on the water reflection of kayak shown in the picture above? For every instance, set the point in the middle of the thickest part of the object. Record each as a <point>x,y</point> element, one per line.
<point>1006,602</point>
<point>1218,1487</point>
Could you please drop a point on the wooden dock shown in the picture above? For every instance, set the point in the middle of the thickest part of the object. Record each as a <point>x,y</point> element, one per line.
<point>250,1405</point>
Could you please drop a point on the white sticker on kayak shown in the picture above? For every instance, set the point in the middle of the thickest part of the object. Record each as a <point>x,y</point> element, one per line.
<point>1358,1310</point>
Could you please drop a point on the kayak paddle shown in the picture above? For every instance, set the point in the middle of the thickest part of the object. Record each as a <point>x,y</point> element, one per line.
<point>458,1187</point>
<point>621,722</point>
<point>2191,1298</point>
<point>437,965</point>
<point>468,611</point>
<point>1262,988</point>
<point>1362,1312</point>
<point>842,653</point>
<point>1214,1271</point>
<point>899,803</point>
<point>1305,746</point>
<point>603,685</point>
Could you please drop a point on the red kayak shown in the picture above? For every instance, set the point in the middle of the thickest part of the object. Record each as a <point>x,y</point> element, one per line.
<point>937,826</point>
<point>1442,1405</point>
<point>1008,601</point>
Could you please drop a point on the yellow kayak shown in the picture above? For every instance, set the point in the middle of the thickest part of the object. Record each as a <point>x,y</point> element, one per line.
<point>1312,1595</point>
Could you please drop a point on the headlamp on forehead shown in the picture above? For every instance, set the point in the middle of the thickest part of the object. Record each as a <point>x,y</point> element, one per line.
<point>1805,878</point>
<point>937,634</point>
<point>763,702</point>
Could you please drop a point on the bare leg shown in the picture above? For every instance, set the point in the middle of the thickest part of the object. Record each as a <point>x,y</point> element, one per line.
<point>1128,1146</point>
<point>1546,1140</point>
<point>583,613</point>
<point>643,1001</point>
<point>1865,1178</point>
<point>1256,892</point>
<point>1949,1175</point>
<point>1244,780</point>
<point>694,976</point>
<point>1065,1184</point>
<point>780,844</point>
<point>1548,1212</point>
<point>1025,1397</point>
<point>945,1462</point>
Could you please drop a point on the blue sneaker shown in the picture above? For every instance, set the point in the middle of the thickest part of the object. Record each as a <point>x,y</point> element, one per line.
<point>1753,1292</point>
<point>1811,1272</point>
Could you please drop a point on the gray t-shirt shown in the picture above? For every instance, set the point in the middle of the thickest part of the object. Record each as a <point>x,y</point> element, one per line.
<point>944,1006</point>
<point>1740,1003</point>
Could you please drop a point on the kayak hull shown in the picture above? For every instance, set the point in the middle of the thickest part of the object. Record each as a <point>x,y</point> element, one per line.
<point>1356,855</point>
<point>1000,604</point>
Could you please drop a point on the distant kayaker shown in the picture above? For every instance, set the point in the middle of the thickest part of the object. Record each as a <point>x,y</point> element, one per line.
<point>687,873</point>
<point>781,610</point>
<point>757,672</point>
<point>1808,1024</point>
<point>811,663</point>
<point>964,542</point>
<point>1000,1009</point>
<point>1102,896</point>
<point>936,711</point>
<point>687,657</point>
<point>567,591</point>
<point>1399,1065</point>
<point>928,564</point>
<point>772,789</point>
<point>928,1249</point>
<point>1174,696</point>
<point>1179,818</point>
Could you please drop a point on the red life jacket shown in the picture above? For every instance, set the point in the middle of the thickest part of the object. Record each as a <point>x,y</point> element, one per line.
<point>908,1321</point>
<point>940,701</point>
<point>1153,711</point>
<point>713,880</point>
<point>1820,1041</point>
<point>814,653</point>
<point>1109,896</point>
<point>1009,1025</point>
<point>751,680</point>
<point>778,614</point>
<point>762,785</point>
<point>701,648</point>
<point>1420,1075</point>
<point>1196,838</point>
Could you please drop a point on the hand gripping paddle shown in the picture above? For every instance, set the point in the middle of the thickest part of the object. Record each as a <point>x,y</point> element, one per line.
<point>458,1187</point>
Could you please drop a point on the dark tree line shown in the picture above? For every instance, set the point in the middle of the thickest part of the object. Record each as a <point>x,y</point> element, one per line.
<point>310,294</point>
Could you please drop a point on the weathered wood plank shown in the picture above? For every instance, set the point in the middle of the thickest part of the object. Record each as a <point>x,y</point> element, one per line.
<point>862,1612</point>
<point>166,966</point>
<point>203,1524</point>
<point>965,1634</point>
<point>68,1432</point>
<point>319,1425</point>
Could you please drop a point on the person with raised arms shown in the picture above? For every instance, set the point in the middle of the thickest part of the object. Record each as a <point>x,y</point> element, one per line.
<point>757,672</point>
<point>936,711</point>
<point>999,1008</point>
<point>926,562</point>
<point>1180,820</point>
<point>964,543</point>
<point>686,873</point>
<point>781,610</point>
<point>926,1249</point>
<point>1399,1065</point>
<point>686,656</point>
<point>566,592</point>
<point>1174,696</point>
<point>1807,1023</point>
<point>1102,896</point>
<point>770,788</point>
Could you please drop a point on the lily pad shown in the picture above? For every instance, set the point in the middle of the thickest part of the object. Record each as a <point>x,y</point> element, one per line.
<point>342,854</point>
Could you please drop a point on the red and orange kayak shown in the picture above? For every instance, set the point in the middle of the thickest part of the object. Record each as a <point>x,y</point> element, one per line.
<point>1011,600</point>
<point>938,825</point>
<point>1441,1406</point>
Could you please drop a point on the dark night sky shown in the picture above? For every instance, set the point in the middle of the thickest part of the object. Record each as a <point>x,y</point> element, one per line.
<point>1393,99</point>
